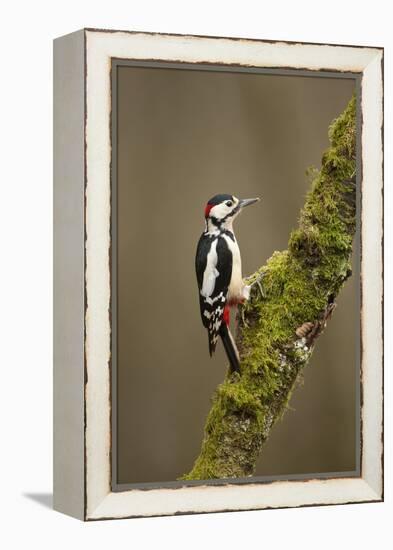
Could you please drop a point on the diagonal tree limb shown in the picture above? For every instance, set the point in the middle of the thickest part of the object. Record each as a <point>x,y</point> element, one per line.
<point>278,328</point>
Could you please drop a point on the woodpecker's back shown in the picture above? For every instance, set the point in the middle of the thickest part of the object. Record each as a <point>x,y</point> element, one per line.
<point>213,264</point>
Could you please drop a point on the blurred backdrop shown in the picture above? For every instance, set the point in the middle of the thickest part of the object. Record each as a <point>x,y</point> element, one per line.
<point>184,136</point>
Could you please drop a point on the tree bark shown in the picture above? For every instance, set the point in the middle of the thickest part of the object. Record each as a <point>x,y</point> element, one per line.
<point>278,328</point>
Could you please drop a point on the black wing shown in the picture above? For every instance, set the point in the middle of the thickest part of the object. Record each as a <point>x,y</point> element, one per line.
<point>213,275</point>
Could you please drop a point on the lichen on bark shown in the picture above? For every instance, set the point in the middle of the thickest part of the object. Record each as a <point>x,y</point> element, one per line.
<point>300,286</point>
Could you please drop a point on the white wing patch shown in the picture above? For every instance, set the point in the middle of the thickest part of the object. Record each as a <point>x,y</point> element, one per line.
<point>210,275</point>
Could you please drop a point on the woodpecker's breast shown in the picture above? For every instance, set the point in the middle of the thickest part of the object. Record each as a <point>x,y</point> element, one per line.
<point>235,289</point>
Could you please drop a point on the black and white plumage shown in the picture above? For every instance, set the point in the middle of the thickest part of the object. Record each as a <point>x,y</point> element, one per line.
<point>219,272</point>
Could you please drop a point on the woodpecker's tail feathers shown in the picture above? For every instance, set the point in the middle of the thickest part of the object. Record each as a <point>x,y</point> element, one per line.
<point>212,338</point>
<point>230,348</point>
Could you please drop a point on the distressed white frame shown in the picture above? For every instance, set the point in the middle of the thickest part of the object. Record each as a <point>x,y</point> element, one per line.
<point>101,47</point>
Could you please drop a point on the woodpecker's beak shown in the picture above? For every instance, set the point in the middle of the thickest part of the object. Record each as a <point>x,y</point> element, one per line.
<point>247,202</point>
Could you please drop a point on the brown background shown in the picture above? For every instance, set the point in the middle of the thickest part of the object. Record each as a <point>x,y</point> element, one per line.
<point>184,136</point>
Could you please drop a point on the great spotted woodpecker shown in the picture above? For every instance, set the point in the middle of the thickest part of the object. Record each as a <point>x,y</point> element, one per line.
<point>219,272</point>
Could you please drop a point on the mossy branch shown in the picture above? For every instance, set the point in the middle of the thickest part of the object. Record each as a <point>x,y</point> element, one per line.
<point>277,331</point>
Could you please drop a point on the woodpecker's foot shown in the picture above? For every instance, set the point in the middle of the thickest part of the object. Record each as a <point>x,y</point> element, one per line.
<point>243,317</point>
<point>258,283</point>
<point>260,287</point>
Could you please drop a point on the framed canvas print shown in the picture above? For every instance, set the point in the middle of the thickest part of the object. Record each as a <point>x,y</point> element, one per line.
<point>218,274</point>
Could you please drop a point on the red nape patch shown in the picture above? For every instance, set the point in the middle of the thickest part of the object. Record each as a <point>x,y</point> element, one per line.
<point>226,315</point>
<point>208,207</point>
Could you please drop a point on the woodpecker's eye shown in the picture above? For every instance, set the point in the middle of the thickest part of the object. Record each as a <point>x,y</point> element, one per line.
<point>229,203</point>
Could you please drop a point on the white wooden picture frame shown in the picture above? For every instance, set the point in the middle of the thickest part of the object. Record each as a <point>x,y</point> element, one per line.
<point>82,334</point>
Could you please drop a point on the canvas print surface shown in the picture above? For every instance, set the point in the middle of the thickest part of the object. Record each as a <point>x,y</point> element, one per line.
<point>236,328</point>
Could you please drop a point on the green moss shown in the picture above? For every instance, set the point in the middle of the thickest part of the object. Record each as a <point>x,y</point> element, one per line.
<point>298,285</point>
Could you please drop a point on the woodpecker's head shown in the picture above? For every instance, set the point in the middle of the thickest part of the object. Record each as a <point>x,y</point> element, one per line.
<point>221,210</point>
